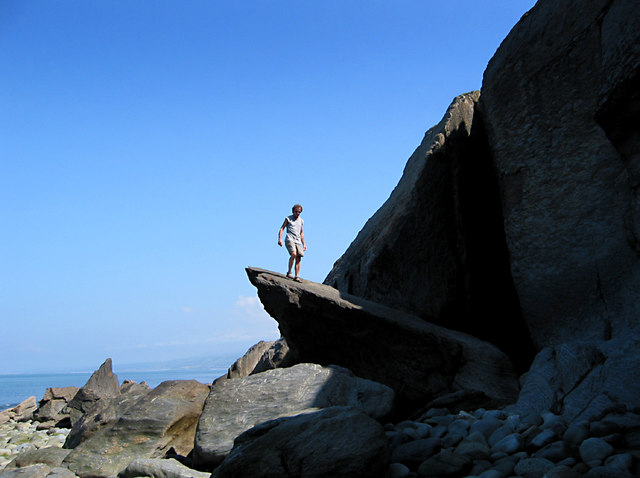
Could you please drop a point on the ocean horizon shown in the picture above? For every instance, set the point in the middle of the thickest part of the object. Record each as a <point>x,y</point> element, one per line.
<point>15,388</point>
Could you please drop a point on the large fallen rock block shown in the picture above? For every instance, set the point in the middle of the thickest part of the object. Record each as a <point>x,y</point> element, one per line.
<point>234,406</point>
<point>164,418</point>
<point>419,360</point>
<point>337,441</point>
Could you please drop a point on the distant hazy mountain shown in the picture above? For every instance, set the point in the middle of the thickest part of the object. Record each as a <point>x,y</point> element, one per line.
<point>201,363</point>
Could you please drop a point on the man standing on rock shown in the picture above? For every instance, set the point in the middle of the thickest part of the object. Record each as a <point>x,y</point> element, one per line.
<point>294,241</point>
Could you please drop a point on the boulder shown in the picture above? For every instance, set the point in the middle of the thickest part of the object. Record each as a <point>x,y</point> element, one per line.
<point>260,357</point>
<point>276,356</point>
<point>419,360</point>
<point>561,108</point>
<point>164,418</point>
<point>160,468</point>
<point>101,386</point>
<point>105,412</point>
<point>32,471</point>
<point>234,406</point>
<point>52,456</point>
<point>336,441</point>
<point>244,365</point>
<point>20,413</point>
<point>436,247</point>
<point>445,463</point>
<point>53,406</point>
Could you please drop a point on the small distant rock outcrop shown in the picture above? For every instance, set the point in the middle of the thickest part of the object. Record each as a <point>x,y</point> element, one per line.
<point>260,357</point>
<point>102,386</point>
<point>21,412</point>
<point>53,409</point>
<point>234,406</point>
<point>420,361</point>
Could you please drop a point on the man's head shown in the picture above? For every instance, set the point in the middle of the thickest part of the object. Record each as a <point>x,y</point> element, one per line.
<point>296,208</point>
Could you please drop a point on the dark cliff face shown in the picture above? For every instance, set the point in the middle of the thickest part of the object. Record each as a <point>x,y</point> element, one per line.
<point>517,219</point>
<point>561,130</point>
<point>437,247</point>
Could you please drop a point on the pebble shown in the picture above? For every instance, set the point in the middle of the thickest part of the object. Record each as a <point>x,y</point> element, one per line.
<point>17,437</point>
<point>494,444</point>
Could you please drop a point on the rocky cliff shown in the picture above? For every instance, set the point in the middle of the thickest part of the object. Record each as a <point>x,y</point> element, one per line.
<point>521,207</point>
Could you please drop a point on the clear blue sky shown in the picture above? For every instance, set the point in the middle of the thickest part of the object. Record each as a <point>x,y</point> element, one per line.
<point>149,151</point>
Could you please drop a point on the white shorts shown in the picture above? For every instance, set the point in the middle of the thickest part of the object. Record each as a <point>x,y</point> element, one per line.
<point>294,247</point>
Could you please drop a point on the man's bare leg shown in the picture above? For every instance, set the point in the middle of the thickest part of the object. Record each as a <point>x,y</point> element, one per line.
<point>292,258</point>
<point>298,259</point>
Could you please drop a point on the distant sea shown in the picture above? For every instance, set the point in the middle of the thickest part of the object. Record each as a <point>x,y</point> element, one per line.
<point>16,388</point>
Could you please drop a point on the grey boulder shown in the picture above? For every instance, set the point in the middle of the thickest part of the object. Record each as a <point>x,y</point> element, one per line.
<point>21,412</point>
<point>160,468</point>
<point>260,357</point>
<point>234,406</point>
<point>334,442</point>
<point>105,412</point>
<point>52,409</point>
<point>102,385</point>
<point>162,419</point>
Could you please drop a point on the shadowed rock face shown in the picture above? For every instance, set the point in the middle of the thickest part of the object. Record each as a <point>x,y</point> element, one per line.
<point>560,101</point>
<point>418,360</point>
<point>337,441</point>
<point>436,248</point>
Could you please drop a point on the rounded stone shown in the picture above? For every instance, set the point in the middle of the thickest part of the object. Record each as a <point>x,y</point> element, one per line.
<point>397,470</point>
<point>445,463</point>
<point>486,425</point>
<point>415,452</point>
<point>533,467</point>
<point>576,433</point>
<point>509,444</point>
<point>594,451</point>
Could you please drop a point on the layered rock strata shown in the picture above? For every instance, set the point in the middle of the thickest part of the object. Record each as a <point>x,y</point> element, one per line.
<point>420,361</point>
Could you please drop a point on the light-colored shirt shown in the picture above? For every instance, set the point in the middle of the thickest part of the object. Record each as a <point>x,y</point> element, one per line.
<point>294,229</point>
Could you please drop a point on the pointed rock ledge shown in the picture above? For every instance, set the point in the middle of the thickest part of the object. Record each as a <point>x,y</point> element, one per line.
<point>419,360</point>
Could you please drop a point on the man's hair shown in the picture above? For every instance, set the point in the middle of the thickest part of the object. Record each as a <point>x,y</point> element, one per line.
<point>295,206</point>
